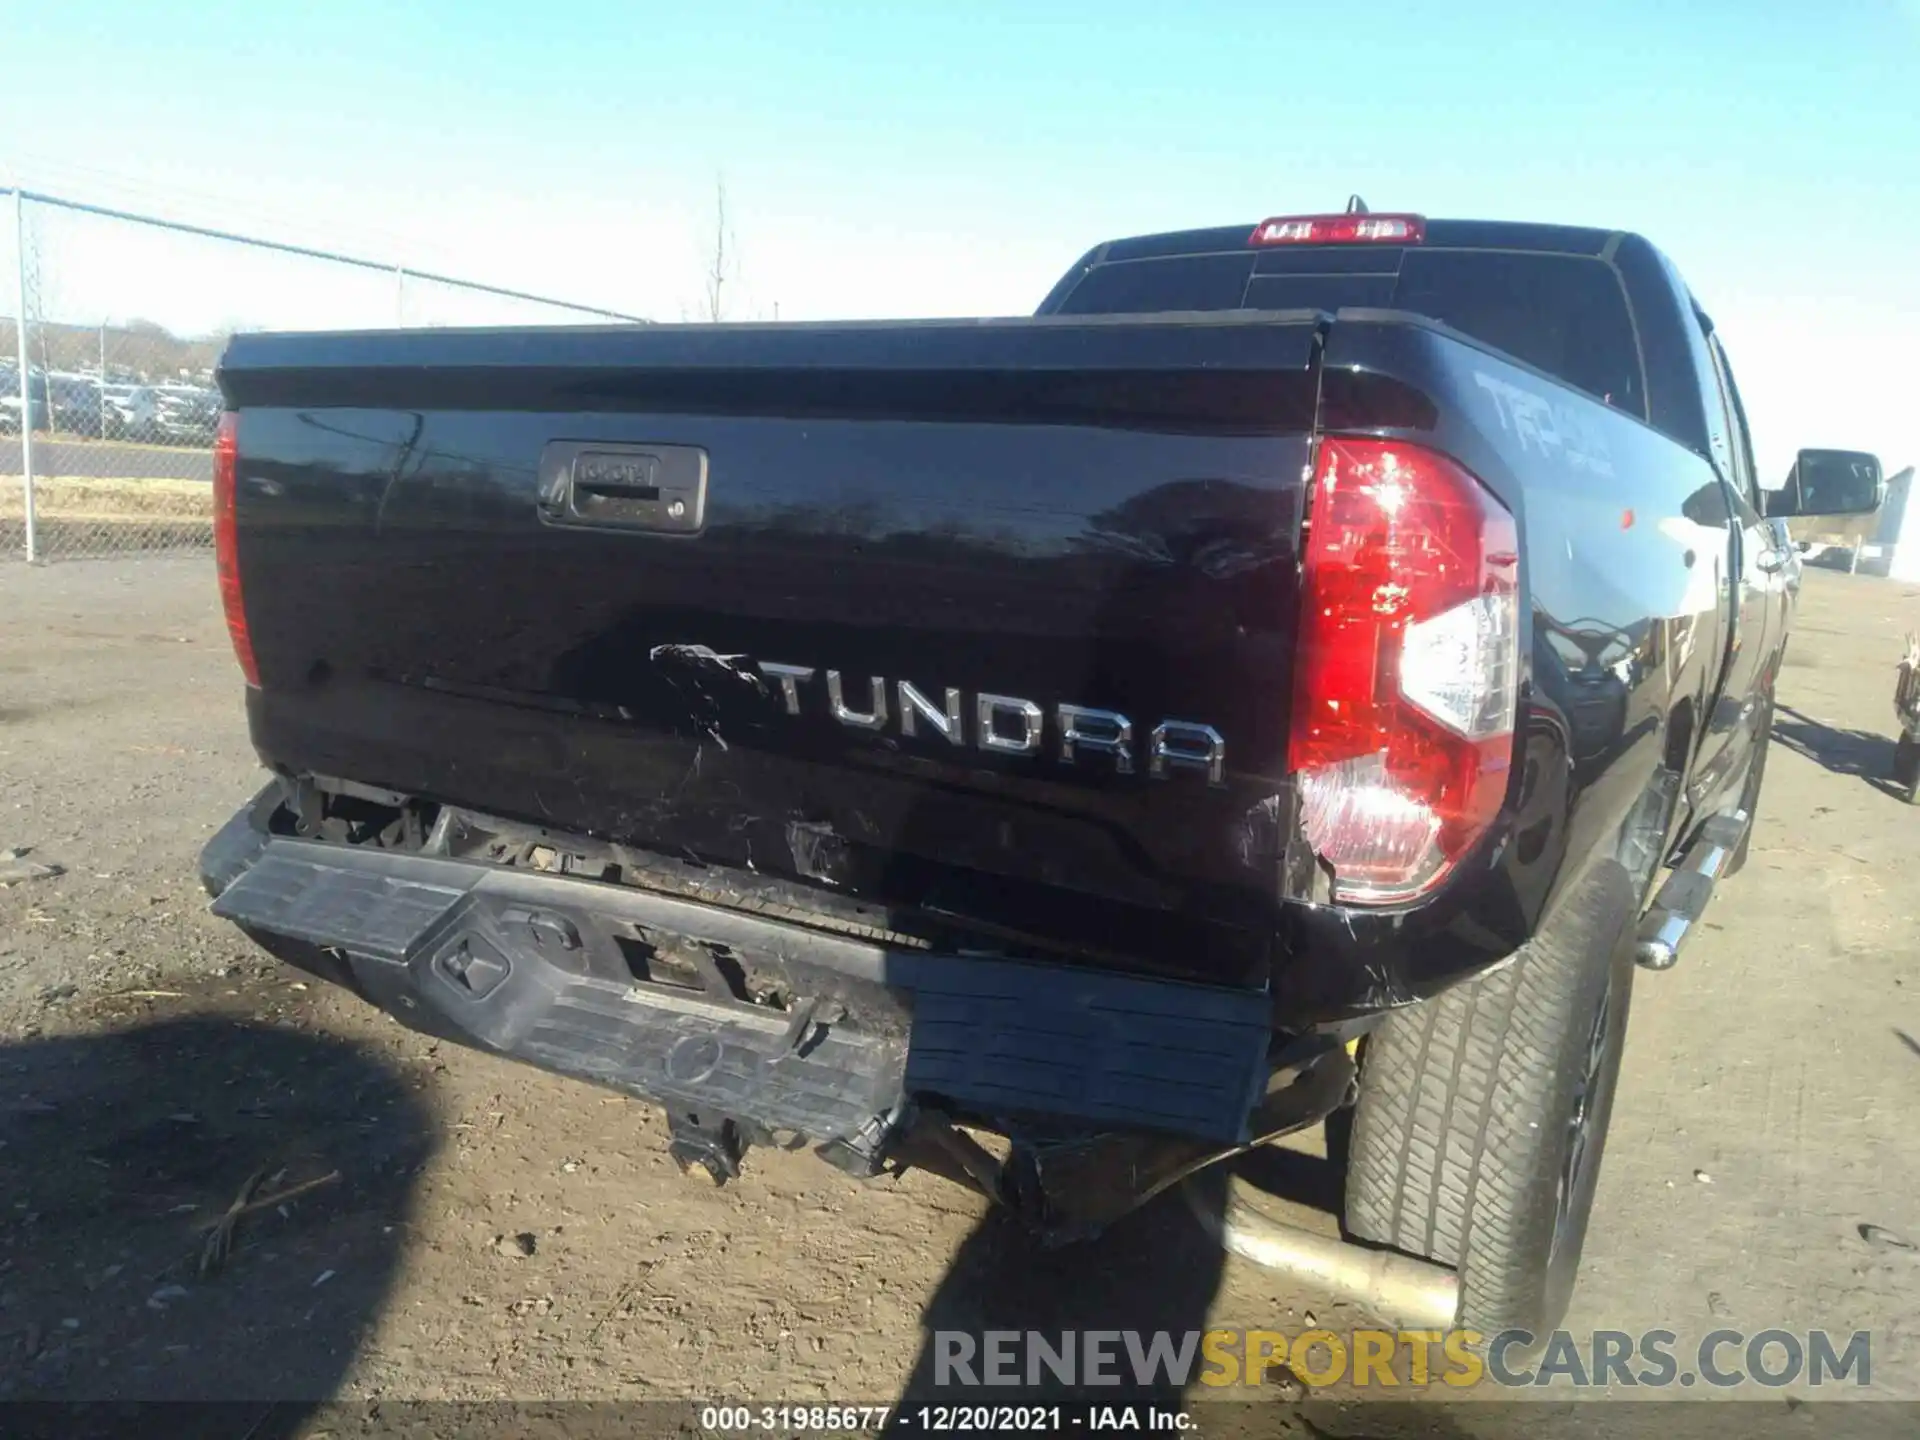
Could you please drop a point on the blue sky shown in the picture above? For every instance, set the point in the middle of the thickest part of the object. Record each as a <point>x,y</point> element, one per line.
<point>914,158</point>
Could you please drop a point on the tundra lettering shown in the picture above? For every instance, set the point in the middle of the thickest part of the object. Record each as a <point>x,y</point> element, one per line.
<point>1009,725</point>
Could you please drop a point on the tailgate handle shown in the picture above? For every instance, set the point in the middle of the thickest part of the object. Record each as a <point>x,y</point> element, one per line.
<point>660,489</point>
<point>618,489</point>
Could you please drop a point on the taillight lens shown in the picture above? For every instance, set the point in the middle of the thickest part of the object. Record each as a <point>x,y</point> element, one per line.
<point>1408,666</point>
<point>226,546</point>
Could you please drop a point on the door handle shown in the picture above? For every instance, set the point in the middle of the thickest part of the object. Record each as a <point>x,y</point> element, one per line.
<point>660,489</point>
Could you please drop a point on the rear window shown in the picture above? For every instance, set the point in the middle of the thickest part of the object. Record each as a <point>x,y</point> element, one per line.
<point>1564,314</point>
<point>1182,282</point>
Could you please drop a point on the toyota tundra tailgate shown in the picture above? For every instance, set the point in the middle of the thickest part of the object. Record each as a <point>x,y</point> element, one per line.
<point>990,620</point>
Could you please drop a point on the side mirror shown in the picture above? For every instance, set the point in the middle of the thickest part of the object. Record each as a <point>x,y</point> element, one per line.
<point>1829,482</point>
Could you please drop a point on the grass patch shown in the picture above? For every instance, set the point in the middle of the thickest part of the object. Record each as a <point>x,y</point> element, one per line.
<point>108,499</point>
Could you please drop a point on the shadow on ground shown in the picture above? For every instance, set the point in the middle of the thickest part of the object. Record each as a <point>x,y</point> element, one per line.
<point>124,1148</point>
<point>1859,753</point>
<point>1155,1272</point>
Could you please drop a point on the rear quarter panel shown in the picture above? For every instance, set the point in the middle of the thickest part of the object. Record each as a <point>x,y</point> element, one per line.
<point>1623,560</point>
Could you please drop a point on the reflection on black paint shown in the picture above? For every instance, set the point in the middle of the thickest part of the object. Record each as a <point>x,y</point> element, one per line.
<point>1708,506</point>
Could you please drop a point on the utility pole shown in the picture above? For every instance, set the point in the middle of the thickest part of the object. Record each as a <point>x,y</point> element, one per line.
<point>26,374</point>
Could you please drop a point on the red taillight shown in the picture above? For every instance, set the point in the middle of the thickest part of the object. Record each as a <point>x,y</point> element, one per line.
<point>1340,230</point>
<point>1407,677</point>
<point>226,547</point>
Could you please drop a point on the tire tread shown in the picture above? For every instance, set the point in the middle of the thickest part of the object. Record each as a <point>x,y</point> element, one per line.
<point>1450,1141</point>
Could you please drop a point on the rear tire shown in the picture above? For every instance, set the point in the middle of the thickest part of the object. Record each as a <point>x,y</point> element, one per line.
<point>1483,1114</point>
<point>1906,768</point>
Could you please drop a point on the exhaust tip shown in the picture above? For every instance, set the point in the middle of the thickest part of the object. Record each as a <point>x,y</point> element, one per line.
<point>1405,1292</point>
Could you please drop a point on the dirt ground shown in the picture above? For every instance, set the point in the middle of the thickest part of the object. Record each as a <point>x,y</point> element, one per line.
<point>462,1228</point>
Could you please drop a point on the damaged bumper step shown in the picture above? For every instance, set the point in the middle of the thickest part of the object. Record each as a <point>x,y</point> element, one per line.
<point>531,965</point>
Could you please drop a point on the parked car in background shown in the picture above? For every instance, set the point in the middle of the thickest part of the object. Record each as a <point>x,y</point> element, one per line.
<point>80,406</point>
<point>131,412</point>
<point>76,405</point>
<point>186,414</point>
<point>10,401</point>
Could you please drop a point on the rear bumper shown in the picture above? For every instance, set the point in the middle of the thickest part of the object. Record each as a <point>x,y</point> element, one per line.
<point>540,968</point>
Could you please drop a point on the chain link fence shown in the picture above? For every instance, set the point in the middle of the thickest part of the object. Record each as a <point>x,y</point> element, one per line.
<point>107,403</point>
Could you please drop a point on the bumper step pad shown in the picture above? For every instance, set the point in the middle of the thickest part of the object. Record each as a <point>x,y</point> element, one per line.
<point>518,962</point>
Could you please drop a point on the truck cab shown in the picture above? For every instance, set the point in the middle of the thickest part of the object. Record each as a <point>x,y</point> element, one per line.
<point>1603,312</point>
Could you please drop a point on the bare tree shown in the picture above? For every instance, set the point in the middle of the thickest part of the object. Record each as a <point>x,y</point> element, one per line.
<point>718,261</point>
<point>721,289</point>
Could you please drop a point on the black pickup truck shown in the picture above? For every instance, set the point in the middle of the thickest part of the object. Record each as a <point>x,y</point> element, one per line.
<point>1303,666</point>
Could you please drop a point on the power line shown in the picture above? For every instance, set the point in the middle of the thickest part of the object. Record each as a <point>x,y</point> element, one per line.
<point>311,253</point>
